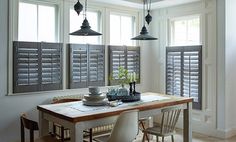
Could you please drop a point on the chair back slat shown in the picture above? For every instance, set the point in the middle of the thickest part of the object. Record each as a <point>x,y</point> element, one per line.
<point>29,124</point>
<point>169,119</point>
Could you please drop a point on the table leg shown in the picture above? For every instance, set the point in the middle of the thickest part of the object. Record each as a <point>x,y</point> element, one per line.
<point>76,133</point>
<point>187,135</point>
<point>43,125</point>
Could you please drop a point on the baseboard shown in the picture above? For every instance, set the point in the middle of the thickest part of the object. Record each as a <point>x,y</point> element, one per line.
<point>209,130</point>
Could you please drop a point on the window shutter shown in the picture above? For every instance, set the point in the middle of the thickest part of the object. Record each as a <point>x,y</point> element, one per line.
<point>51,66</point>
<point>78,66</point>
<point>133,61</point>
<point>184,73</point>
<point>25,70</point>
<point>125,56</point>
<point>192,75</point>
<point>173,73</point>
<point>37,66</point>
<point>117,58</point>
<point>96,65</point>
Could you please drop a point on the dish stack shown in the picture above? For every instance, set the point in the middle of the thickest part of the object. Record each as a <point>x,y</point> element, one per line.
<point>95,97</point>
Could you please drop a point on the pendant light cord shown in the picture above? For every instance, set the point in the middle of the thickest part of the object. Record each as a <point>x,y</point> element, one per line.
<point>144,12</point>
<point>85,9</point>
<point>149,5</point>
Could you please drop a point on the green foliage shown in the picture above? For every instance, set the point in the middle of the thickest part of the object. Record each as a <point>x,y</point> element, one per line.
<point>123,76</point>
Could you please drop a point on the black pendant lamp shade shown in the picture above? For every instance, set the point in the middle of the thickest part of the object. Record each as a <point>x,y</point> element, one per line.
<point>85,29</point>
<point>144,35</point>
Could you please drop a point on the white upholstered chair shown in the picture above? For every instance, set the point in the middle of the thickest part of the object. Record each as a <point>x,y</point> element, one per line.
<point>125,128</point>
<point>167,127</point>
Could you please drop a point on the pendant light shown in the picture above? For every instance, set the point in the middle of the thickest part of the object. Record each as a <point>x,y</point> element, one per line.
<point>85,28</point>
<point>144,32</point>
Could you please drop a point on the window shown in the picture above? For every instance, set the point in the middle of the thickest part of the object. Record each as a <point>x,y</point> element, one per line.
<point>121,29</point>
<point>37,66</point>
<point>184,72</point>
<point>37,22</point>
<point>87,65</point>
<point>124,56</point>
<point>76,21</point>
<point>185,31</point>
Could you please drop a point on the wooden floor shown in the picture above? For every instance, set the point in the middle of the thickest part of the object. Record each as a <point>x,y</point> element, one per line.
<point>196,138</point>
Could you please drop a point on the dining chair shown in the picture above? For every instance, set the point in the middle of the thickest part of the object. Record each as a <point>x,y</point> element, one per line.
<point>167,127</point>
<point>125,128</point>
<point>60,131</point>
<point>33,126</point>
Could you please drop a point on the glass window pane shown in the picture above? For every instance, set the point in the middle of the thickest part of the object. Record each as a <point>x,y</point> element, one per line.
<point>76,22</point>
<point>186,31</point>
<point>115,30</point>
<point>27,26</point>
<point>121,29</point>
<point>46,23</point>
<point>127,30</point>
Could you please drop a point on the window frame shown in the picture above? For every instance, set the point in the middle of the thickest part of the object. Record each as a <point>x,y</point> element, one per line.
<point>135,20</point>
<point>187,17</point>
<point>63,35</point>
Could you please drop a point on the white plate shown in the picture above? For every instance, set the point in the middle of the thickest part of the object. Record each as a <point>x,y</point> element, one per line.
<point>100,93</point>
<point>95,103</point>
<point>94,97</point>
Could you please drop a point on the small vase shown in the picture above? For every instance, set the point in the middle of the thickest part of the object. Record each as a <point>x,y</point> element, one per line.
<point>122,91</point>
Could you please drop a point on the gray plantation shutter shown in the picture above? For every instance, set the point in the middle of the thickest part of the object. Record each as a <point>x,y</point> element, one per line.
<point>51,66</point>
<point>117,58</point>
<point>192,75</point>
<point>37,66</point>
<point>133,61</point>
<point>96,65</point>
<point>184,72</point>
<point>87,65</point>
<point>127,57</point>
<point>26,67</point>
<point>78,66</point>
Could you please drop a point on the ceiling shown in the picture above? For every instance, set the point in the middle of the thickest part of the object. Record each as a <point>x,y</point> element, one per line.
<point>155,3</point>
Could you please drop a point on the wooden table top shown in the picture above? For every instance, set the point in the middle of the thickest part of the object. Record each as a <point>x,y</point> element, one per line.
<point>68,112</point>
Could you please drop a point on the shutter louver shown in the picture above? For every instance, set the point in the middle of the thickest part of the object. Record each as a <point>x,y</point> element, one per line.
<point>78,66</point>
<point>183,73</point>
<point>26,64</point>
<point>96,65</point>
<point>117,58</point>
<point>133,61</point>
<point>123,56</point>
<point>51,66</point>
<point>37,66</point>
<point>173,76</point>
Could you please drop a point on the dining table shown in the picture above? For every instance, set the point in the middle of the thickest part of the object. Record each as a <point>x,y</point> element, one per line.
<point>78,117</point>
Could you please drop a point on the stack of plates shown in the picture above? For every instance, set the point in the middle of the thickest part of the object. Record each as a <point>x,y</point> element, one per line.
<point>95,100</point>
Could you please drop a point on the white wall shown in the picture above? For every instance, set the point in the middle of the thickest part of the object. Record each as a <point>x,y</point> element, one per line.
<point>12,106</point>
<point>230,64</point>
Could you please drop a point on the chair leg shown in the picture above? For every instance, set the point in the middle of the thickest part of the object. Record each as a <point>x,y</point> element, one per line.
<point>172,138</point>
<point>157,139</point>
<point>143,140</point>
<point>90,135</point>
<point>143,128</point>
<point>62,134</point>
<point>163,138</point>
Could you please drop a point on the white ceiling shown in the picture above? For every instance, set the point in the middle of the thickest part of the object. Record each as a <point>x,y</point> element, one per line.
<point>155,3</point>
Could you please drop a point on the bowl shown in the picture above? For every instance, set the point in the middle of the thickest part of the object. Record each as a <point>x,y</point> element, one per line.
<point>94,90</point>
